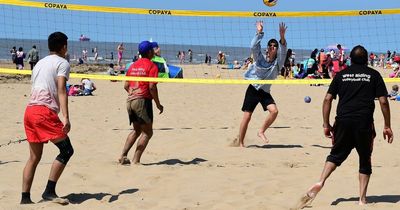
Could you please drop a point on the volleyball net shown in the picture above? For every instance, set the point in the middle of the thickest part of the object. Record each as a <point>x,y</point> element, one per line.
<point>210,47</point>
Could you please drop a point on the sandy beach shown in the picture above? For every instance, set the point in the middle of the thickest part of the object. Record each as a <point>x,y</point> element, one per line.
<point>189,163</point>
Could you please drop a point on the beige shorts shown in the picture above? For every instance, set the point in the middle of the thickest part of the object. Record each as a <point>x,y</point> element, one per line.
<point>140,111</point>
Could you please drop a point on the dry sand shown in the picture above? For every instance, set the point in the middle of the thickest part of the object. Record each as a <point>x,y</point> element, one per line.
<point>189,163</point>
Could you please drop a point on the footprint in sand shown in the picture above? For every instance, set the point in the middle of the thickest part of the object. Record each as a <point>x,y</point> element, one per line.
<point>293,165</point>
<point>80,176</point>
<point>234,142</point>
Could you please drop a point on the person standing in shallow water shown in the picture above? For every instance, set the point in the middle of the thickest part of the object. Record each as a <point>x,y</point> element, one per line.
<point>357,88</point>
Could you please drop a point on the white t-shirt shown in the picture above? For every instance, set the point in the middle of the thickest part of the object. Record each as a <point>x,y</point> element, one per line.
<point>88,84</point>
<point>44,81</point>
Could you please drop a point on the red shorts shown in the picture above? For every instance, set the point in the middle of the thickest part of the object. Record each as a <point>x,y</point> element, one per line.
<point>42,124</point>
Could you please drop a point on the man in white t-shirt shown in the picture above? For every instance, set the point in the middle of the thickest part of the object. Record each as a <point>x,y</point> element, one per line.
<point>41,121</point>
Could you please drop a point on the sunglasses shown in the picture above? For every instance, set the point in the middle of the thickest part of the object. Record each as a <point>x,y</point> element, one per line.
<point>272,46</point>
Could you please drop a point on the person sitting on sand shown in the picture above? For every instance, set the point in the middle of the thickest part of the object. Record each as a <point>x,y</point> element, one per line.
<point>354,124</point>
<point>111,71</point>
<point>220,58</point>
<point>295,70</point>
<point>88,86</point>
<point>264,68</point>
<point>394,93</point>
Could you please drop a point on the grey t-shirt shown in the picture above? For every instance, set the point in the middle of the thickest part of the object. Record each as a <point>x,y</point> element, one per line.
<point>263,69</point>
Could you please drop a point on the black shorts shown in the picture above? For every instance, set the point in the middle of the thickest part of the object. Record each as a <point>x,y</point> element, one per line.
<point>349,134</point>
<point>253,97</point>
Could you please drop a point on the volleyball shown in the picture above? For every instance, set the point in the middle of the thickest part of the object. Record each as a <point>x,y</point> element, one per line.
<point>307,99</point>
<point>270,3</point>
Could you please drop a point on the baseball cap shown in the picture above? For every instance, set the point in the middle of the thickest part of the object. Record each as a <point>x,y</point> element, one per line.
<point>155,44</point>
<point>146,46</point>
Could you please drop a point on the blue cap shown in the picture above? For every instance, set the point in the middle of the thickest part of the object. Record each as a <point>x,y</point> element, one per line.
<point>146,46</point>
<point>155,44</point>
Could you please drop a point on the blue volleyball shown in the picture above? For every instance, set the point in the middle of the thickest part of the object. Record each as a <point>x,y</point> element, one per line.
<point>307,99</point>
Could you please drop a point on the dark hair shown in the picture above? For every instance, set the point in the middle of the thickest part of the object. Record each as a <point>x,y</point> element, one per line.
<point>56,41</point>
<point>146,54</point>
<point>314,54</point>
<point>111,65</point>
<point>289,51</point>
<point>359,55</point>
<point>20,49</point>
<point>34,46</point>
<point>14,47</point>
<point>274,41</point>
<point>339,46</point>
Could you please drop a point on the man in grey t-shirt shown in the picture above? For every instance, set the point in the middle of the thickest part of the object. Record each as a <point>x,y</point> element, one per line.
<point>263,69</point>
<point>33,56</point>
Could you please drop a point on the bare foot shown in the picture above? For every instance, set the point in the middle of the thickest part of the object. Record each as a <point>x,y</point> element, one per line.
<point>241,145</point>
<point>124,161</point>
<point>308,198</point>
<point>362,202</point>
<point>136,163</point>
<point>263,137</point>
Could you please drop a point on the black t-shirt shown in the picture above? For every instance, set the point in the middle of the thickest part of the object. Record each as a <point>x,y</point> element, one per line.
<point>357,87</point>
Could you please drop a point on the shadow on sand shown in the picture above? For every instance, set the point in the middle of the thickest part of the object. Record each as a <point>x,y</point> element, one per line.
<point>78,198</point>
<point>370,199</point>
<point>275,146</point>
<point>320,146</point>
<point>12,161</point>
<point>195,161</point>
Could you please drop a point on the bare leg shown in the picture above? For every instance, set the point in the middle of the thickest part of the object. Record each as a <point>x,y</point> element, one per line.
<point>36,150</point>
<point>147,133</point>
<point>130,141</point>
<point>273,113</point>
<point>364,180</point>
<point>314,190</point>
<point>328,169</point>
<point>243,127</point>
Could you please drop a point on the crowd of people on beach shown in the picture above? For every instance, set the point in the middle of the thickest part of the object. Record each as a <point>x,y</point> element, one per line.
<point>320,64</point>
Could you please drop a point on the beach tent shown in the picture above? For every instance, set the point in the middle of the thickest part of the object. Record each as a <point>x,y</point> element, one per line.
<point>175,71</point>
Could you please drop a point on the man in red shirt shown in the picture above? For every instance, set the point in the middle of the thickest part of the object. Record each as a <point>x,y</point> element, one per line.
<point>139,103</point>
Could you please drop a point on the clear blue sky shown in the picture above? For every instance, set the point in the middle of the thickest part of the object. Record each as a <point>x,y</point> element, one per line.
<point>378,33</point>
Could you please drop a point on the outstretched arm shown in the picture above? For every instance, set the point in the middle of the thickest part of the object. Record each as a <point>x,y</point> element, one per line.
<point>282,51</point>
<point>282,32</point>
<point>255,43</point>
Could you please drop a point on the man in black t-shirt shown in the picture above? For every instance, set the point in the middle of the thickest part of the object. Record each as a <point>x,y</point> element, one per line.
<point>357,87</point>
